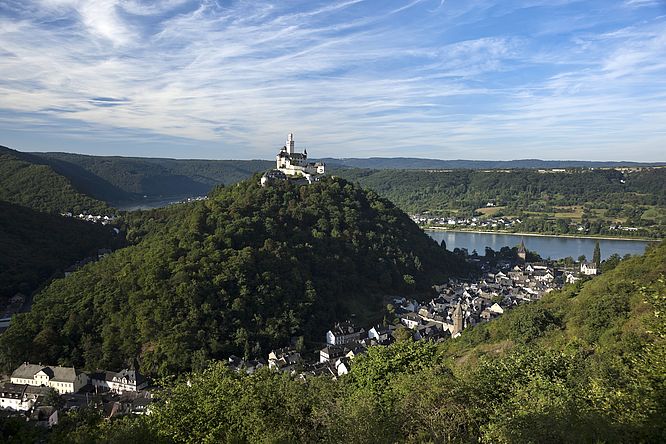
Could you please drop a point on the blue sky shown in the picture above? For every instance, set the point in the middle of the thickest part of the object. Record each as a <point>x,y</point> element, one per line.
<point>447,79</point>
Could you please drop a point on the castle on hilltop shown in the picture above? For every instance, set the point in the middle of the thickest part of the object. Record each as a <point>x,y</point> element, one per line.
<point>293,165</point>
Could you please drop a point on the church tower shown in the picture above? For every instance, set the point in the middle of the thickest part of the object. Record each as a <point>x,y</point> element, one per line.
<point>290,144</point>
<point>458,319</point>
<point>522,253</point>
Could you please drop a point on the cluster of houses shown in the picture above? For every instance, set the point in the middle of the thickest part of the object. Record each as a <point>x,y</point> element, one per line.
<point>468,222</point>
<point>493,223</point>
<point>30,386</point>
<point>459,304</point>
<point>95,218</point>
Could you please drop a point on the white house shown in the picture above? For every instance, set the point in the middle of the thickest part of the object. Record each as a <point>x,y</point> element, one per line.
<point>342,366</point>
<point>343,333</point>
<point>411,320</point>
<point>588,268</point>
<point>61,379</point>
<point>124,381</point>
<point>20,397</point>
<point>331,352</point>
<point>380,333</point>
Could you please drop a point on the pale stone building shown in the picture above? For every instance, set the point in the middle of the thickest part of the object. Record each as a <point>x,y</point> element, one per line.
<point>118,382</point>
<point>61,379</point>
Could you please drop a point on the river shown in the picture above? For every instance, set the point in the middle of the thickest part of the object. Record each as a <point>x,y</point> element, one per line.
<point>546,246</point>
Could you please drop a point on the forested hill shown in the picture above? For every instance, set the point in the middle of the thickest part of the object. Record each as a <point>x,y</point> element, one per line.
<point>26,180</point>
<point>34,245</point>
<point>545,202</point>
<point>415,191</point>
<point>411,163</point>
<point>241,272</point>
<point>126,179</point>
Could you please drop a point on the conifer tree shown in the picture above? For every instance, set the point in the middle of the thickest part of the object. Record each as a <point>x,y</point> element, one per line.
<point>596,256</point>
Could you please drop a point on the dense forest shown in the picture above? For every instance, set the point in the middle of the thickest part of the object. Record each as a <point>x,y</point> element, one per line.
<point>241,272</point>
<point>125,179</point>
<point>26,181</point>
<point>585,364</point>
<point>415,191</point>
<point>35,245</point>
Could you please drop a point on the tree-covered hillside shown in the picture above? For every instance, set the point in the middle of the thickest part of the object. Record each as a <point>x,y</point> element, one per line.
<point>123,179</point>
<point>415,191</point>
<point>34,245</point>
<point>549,203</point>
<point>241,272</point>
<point>587,364</point>
<point>26,180</point>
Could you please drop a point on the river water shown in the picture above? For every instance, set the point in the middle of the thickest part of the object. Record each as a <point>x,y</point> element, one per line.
<point>546,246</point>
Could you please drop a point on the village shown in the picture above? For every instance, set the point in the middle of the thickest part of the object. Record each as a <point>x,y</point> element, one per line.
<point>460,304</point>
<point>496,223</point>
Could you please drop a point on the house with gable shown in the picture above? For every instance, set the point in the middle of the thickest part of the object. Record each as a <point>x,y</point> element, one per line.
<point>284,359</point>
<point>61,379</point>
<point>588,268</point>
<point>344,333</point>
<point>21,397</point>
<point>118,382</point>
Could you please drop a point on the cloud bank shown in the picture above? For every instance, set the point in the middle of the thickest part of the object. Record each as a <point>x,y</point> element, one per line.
<point>424,78</point>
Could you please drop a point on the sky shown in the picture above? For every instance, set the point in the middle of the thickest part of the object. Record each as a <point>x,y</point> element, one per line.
<point>443,79</point>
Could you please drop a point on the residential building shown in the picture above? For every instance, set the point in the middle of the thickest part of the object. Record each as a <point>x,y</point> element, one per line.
<point>118,382</point>
<point>343,333</point>
<point>62,379</point>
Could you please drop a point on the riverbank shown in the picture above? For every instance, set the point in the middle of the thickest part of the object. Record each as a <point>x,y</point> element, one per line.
<point>569,236</point>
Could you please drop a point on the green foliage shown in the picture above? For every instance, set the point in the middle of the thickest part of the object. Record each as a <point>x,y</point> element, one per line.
<point>36,245</point>
<point>596,256</point>
<point>125,179</point>
<point>26,180</point>
<point>533,197</point>
<point>528,322</point>
<point>245,270</point>
<point>88,426</point>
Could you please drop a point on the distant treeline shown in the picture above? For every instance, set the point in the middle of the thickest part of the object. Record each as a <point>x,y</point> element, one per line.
<point>411,163</point>
<point>26,180</point>
<point>128,179</point>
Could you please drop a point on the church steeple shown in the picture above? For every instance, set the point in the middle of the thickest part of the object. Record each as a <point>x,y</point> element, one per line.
<point>458,319</point>
<point>522,253</point>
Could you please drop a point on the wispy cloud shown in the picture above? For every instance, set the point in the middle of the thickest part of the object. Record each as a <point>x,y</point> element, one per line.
<point>351,78</point>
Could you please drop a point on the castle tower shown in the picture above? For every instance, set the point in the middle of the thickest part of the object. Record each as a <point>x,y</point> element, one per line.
<point>458,319</point>
<point>290,144</point>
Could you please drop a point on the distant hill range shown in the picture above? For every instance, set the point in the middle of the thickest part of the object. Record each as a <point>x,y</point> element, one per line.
<point>62,181</point>
<point>413,163</point>
<point>125,179</point>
